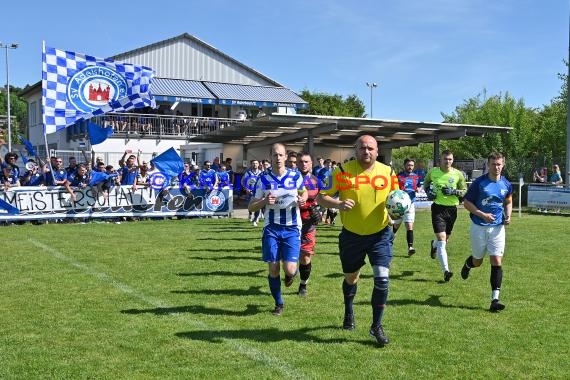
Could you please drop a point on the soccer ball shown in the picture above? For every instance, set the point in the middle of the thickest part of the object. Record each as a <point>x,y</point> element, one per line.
<point>398,203</point>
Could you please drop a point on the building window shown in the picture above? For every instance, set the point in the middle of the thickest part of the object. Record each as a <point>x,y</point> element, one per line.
<point>33,113</point>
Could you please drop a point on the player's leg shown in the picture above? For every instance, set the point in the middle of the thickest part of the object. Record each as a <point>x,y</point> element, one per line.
<point>449,215</point>
<point>409,218</point>
<point>352,254</point>
<point>289,247</point>
<point>380,256</point>
<point>270,254</point>
<point>308,240</point>
<point>478,237</point>
<point>496,248</point>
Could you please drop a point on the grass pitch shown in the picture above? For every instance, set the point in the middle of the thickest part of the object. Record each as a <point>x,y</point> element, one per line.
<point>189,299</point>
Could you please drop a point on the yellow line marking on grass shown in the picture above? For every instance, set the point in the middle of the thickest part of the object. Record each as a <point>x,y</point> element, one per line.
<point>254,354</point>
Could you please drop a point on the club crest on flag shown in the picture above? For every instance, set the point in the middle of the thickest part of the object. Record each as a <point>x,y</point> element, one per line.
<point>77,86</point>
<point>95,86</point>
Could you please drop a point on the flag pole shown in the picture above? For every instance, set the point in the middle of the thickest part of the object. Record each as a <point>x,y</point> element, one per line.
<point>44,113</point>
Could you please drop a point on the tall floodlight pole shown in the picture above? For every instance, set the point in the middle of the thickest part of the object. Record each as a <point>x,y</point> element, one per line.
<point>8,46</point>
<point>372,85</point>
<point>567,179</point>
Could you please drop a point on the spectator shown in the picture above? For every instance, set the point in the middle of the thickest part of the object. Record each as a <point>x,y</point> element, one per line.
<point>33,176</point>
<point>59,176</point>
<point>556,177</point>
<point>10,171</point>
<point>223,177</point>
<point>540,175</point>
<point>319,166</point>
<point>249,179</point>
<point>208,177</point>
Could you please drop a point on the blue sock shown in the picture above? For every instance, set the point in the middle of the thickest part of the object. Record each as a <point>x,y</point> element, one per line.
<point>379,298</point>
<point>275,287</point>
<point>349,292</point>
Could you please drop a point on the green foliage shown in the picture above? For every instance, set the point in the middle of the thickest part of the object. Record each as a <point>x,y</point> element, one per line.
<point>18,109</point>
<point>498,110</point>
<point>332,105</point>
<point>123,301</point>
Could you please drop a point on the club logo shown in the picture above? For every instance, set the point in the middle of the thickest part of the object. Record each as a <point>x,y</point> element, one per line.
<point>158,181</point>
<point>215,200</point>
<point>94,87</point>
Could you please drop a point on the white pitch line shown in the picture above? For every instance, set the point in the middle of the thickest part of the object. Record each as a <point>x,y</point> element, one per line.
<point>248,351</point>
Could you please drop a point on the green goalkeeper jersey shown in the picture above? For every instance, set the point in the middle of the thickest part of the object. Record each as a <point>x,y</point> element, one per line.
<point>453,179</point>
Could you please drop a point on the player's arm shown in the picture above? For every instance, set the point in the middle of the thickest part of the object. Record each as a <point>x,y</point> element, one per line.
<point>470,206</point>
<point>427,181</point>
<point>258,203</point>
<point>461,186</point>
<point>327,201</point>
<point>508,204</point>
<point>260,198</point>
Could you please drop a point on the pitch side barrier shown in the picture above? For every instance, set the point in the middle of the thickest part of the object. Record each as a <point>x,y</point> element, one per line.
<point>548,196</point>
<point>54,202</point>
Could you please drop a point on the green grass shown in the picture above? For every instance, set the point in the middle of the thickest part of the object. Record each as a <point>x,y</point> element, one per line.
<point>189,299</point>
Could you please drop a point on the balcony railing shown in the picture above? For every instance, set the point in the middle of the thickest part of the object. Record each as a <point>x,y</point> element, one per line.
<point>156,126</point>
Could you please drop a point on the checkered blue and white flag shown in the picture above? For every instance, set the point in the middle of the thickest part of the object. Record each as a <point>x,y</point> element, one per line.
<point>77,87</point>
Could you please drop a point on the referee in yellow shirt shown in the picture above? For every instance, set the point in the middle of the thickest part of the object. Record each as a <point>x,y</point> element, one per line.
<point>363,186</point>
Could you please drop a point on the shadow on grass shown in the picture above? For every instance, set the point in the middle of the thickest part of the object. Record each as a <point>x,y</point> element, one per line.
<point>432,300</point>
<point>404,276</point>
<point>221,258</point>
<point>197,309</point>
<point>236,229</point>
<point>269,335</point>
<point>226,273</point>
<point>252,291</point>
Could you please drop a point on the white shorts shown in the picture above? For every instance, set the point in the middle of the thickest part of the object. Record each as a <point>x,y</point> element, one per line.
<point>409,216</point>
<point>489,239</point>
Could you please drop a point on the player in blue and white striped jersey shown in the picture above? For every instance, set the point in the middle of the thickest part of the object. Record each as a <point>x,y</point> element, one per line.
<point>281,192</point>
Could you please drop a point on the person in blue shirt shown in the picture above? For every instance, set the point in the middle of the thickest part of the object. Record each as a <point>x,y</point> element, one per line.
<point>489,202</point>
<point>129,171</point>
<point>79,180</point>
<point>33,176</point>
<point>56,175</point>
<point>249,180</point>
<point>408,180</point>
<point>223,177</point>
<point>10,172</point>
<point>208,177</point>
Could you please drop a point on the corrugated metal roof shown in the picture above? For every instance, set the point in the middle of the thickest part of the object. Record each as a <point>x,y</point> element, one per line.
<point>187,57</point>
<point>178,87</point>
<point>262,96</point>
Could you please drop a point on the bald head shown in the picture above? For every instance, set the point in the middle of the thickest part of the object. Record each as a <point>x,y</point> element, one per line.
<point>366,151</point>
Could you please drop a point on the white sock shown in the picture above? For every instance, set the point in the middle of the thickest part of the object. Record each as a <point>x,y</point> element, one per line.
<point>495,294</point>
<point>442,255</point>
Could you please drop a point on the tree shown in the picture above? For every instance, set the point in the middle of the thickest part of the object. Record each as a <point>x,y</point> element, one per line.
<point>498,110</point>
<point>332,105</point>
<point>18,109</point>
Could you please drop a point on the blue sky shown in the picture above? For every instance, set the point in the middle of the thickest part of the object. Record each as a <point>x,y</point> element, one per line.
<point>427,56</point>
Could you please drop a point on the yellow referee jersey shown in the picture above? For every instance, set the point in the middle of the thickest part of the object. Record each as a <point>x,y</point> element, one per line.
<point>368,189</point>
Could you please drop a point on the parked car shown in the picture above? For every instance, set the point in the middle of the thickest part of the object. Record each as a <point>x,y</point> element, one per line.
<point>241,115</point>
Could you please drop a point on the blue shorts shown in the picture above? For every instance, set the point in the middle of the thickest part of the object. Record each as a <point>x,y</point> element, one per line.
<point>280,243</point>
<point>354,248</point>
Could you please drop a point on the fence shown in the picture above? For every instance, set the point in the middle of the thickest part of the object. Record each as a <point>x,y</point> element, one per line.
<point>54,202</point>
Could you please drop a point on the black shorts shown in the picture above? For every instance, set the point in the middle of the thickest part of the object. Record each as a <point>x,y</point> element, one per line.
<point>354,248</point>
<point>443,218</point>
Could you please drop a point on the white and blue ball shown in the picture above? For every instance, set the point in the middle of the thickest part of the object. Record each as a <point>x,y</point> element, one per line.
<point>398,203</point>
